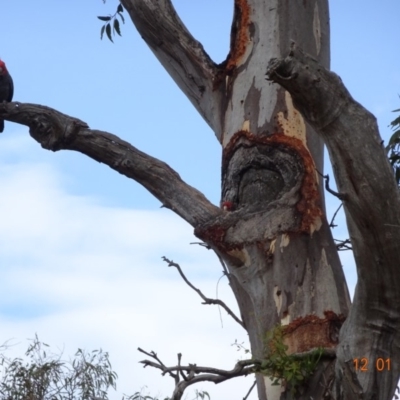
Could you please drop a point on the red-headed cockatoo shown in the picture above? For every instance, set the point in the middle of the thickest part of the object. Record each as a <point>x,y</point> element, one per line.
<point>6,88</point>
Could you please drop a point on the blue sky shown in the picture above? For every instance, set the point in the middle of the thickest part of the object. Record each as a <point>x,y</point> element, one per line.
<point>80,245</point>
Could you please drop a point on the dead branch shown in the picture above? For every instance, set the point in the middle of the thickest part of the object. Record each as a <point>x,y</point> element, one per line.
<point>340,196</point>
<point>199,292</point>
<point>202,244</point>
<point>342,245</point>
<point>332,225</point>
<point>250,390</point>
<point>196,373</point>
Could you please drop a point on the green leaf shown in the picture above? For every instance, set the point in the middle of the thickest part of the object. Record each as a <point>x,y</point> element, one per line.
<point>120,8</point>
<point>104,18</point>
<point>395,122</point>
<point>394,138</point>
<point>116,27</point>
<point>108,32</point>
<point>122,18</point>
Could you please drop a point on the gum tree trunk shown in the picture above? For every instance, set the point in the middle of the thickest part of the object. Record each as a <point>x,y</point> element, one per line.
<point>271,230</point>
<point>274,236</point>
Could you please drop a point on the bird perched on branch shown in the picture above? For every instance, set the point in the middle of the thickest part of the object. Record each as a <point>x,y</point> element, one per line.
<point>6,88</point>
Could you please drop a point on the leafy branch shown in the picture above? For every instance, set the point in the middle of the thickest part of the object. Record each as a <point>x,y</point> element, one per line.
<point>292,370</point>
<point>45,376</point>
<point>112,25</point>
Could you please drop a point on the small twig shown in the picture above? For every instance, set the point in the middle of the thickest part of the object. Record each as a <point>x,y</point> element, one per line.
<point>332,225</point>
<point>251,388</point>
<point>208,247</point>
<point>179,365</point>
<point>206,299</point>
<point>160,364</point>
<point>340,196</point>
<point>343,244</point>
<point>216,295</point>
<point>226,272</point>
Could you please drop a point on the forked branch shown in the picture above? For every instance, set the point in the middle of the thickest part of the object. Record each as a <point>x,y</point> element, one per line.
<point>192,373</point>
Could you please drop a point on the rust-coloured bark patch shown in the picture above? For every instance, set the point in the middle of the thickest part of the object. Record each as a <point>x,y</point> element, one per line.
<point>309,205</point>
<point>215,235</point>
<point>309,332</point>
<point>240,37</point>
<point>239,41</point>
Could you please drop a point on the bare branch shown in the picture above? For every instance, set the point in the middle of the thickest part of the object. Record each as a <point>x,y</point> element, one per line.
<point>250,390</point>
<point>340,196</point>
<point>206,299</point>
<point>56,131</point>
<point>180,54</point>
<point>343,245</point>
<point>159,364</point>
<point>207,246</point>
<point>332,225</point>
<point>197,374</point>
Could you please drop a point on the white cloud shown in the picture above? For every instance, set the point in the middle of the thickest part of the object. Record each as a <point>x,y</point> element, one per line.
<point>83,275</point>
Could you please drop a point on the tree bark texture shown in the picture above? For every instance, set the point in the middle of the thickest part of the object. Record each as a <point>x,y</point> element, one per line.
<point>272,231</point>
<point>275,239</point>
<point>372,205</point>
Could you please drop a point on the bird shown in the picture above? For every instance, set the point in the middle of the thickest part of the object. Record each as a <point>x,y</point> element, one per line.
<point>6,88</point>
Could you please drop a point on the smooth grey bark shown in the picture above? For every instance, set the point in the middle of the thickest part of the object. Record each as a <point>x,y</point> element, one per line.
<point>273,236</point>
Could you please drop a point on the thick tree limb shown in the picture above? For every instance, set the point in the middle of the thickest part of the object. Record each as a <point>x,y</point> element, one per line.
<point>206,300</point>
<point>56,131</point>
<point>372,203</point>
<point>180,54</point>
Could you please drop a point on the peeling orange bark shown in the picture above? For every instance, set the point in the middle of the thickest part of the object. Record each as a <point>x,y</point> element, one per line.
<point>309,332</point>
<point>239,40</point>
<point>240,37</point>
